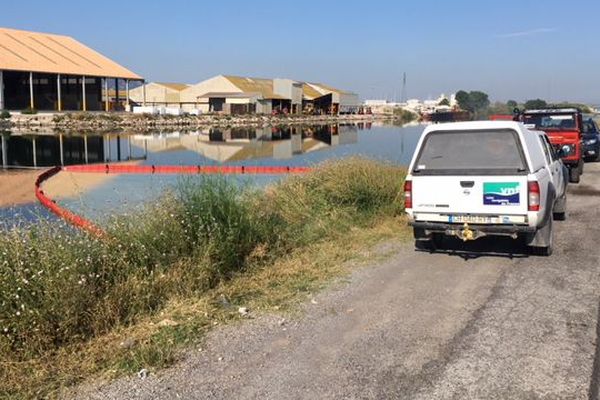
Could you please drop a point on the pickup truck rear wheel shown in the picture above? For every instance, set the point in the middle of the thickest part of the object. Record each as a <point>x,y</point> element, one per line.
<point>574,175</point>
<point>560,208</point>
<point>546,238</point>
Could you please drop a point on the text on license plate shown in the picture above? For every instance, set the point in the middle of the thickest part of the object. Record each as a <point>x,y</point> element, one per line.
<point>471,219</point>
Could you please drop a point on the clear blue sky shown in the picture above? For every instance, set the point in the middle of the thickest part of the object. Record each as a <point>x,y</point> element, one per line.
<point>511,49</point>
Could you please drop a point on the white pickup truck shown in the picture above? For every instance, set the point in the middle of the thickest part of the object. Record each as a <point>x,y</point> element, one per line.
<point>473,179</point>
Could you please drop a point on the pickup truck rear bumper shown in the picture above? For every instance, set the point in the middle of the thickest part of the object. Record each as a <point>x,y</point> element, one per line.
<point>502,230</point>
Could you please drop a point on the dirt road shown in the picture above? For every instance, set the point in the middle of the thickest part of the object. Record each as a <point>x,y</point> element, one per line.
<point>483,324</point>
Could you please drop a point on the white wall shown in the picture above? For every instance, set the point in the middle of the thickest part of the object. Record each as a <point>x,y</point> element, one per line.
<point>264,107</point>
<point>349,99</point>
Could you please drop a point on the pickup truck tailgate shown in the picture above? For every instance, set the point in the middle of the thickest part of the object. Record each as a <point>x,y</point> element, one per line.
<point>446,198</point>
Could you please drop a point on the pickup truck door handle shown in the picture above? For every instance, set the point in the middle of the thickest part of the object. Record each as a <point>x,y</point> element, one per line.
<point>467,184</point>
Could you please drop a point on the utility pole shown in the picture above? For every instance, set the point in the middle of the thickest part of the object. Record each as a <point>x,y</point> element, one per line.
<point>403,98</point>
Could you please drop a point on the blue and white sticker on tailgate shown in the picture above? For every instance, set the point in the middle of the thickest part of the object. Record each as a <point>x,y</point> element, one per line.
<point>501,193</point>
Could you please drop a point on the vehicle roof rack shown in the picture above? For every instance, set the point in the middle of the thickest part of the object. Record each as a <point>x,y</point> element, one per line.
<point>552,110</point>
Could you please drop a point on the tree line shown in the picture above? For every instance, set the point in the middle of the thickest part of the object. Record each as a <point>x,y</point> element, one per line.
<point>479,105</point>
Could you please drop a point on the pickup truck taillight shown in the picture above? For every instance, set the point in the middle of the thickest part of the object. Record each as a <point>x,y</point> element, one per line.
<point>407,194</point>
<point>533,189</point>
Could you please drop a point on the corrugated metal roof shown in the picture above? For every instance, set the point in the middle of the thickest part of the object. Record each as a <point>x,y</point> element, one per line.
<point>255,85</point>
<point>228,95</point>
<point>328,89</point>
<point>44,52</point>
<point>310,93</point>
<point>174,86</point>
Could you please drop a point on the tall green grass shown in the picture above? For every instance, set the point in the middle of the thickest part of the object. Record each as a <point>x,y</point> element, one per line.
<point>60,287</point>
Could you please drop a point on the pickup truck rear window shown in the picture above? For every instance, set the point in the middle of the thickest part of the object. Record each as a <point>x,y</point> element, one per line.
<point>471,152</point>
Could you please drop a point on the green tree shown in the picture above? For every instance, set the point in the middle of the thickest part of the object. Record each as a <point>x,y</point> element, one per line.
<point>479,100</point>
<point>463,100</point>
<point>444,102</point>
<point>511,104</point>
<point>476,102</point>
<point>535,104</point>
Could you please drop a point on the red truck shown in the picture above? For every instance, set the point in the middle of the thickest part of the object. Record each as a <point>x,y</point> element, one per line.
<point>563,127</point>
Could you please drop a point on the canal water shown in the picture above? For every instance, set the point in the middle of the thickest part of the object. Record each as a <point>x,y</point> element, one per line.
<point>288,146</point>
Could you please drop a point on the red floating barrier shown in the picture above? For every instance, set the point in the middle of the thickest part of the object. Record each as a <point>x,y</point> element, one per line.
<point>184,169</point>
<point>90,227</point>
<point>67,215</point>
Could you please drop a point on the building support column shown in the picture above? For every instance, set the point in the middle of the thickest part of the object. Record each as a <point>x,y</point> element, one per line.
<point>85,148</point>
<point>62,152</point>
<point>84,100</point>
<point>106,98</point>
<point>31,102</point>
<point>144,92</point>
<point>59,93</point>
<point>116,93</point>
<point>127,94</point>
<point>1,90</point>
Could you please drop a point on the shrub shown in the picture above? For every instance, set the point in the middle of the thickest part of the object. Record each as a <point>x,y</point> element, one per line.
<point>222,223</point>
<point>4,114</point>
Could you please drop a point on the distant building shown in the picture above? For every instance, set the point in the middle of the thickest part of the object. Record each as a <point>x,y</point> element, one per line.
<point>324,99</point>
<point>54,72</point>
<point>158,94</point>
<point>241,95</point>
<point>376,103</point>
<point>244,95</point>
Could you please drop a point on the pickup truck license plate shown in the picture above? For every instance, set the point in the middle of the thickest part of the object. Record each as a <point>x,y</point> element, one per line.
<point>471,219</point>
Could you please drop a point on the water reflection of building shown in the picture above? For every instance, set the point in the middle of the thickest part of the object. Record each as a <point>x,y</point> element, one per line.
<point>44,150</point>
<point>239,144</point>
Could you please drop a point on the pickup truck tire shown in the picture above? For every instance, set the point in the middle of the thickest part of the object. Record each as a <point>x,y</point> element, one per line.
<point>560,216</point>
<point>574,175</point>
<point>560,208</point>
<point>546,236</point>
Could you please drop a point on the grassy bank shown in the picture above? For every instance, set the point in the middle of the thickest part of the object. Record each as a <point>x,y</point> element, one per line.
<point>73,306</point>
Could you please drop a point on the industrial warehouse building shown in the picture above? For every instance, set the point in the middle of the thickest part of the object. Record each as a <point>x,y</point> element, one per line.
<point>52,72</point>
<point>243,95</point>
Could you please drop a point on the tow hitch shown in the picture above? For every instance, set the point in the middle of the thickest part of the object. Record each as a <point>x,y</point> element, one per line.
<point>465,234</point>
